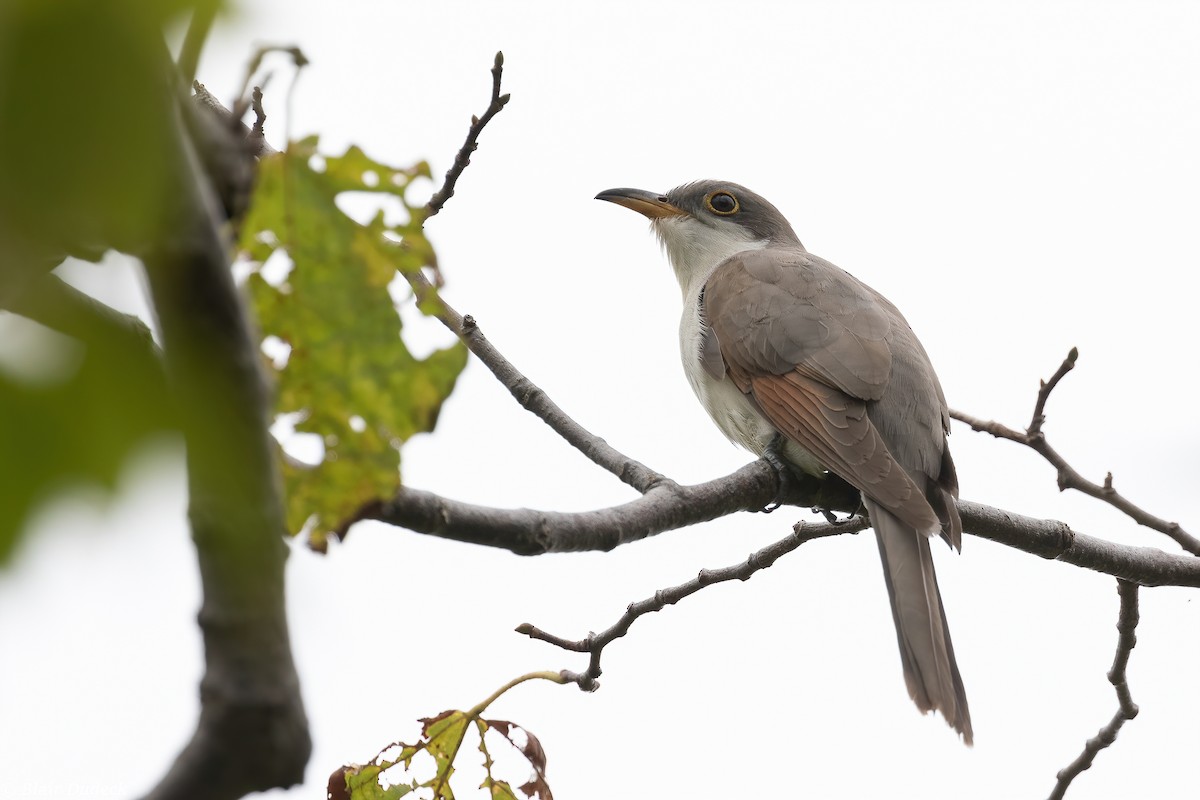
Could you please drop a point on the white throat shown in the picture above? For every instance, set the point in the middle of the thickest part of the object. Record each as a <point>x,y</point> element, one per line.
<point>695,248</point>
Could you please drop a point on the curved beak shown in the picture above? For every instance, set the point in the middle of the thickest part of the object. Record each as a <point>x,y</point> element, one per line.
<point>649,204</point>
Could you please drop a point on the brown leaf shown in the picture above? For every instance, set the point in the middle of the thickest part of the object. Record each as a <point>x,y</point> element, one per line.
<point>337,790</point>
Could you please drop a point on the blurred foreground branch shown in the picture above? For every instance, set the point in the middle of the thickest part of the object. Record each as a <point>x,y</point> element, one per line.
<point>253,733</point>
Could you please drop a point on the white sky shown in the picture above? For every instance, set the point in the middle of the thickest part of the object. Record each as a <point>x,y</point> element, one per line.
<point>1018,178</point>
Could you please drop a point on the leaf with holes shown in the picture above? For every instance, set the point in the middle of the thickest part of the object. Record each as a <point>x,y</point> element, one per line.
<point>348,378</point>
<point>441,741</point>
<point>532,750</point>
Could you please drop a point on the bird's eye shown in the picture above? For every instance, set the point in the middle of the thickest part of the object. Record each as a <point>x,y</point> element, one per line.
<point>722,203</point>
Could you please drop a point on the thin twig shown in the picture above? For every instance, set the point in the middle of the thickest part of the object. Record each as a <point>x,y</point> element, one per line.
<point>534,399</point>
<point>469,146</point>
<point>1044,390</point>
<point>595,643</point>
<point>1127,620</point>
<point>258,131</point>
<point>1068,476</point>
<point>256,142</point>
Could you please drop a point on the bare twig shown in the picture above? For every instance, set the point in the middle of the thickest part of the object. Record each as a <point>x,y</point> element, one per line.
<point>628,470</point>
<point>469,146</point>
<point>1044,390</point>
<point>595,643</point>
<point>1068,477</point>
<point>1127,620</point>
<point>258,145</point>
<point>258,132</point>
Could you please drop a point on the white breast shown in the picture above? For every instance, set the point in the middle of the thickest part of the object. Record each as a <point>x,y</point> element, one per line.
<point>695,250</point>
<point>733,412</point>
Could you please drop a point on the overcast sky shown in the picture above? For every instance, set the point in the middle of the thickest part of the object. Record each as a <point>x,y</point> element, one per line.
<point>1019,178</point>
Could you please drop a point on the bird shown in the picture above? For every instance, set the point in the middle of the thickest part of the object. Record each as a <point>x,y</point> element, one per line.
<point>800,362</point>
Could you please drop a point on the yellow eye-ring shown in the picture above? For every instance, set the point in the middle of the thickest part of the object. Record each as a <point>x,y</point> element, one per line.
<point>722,203</point>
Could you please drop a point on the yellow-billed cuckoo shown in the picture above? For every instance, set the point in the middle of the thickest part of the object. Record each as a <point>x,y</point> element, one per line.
<point>794,357</point>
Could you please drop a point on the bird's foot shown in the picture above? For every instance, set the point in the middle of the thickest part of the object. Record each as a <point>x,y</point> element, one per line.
<point>831,516</point>
<point>787,479</point>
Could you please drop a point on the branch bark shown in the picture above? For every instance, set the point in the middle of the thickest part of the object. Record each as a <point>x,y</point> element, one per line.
<point>1068,477</point>
<point>497,102</point>
<point>595,643</point>
<point>1127,620</point>
<point>252,734</point>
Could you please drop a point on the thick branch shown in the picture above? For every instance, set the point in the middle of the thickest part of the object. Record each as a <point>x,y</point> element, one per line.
<point>252,734</point>
<point>669,506</point>
<point>666,505</point>
<point>1127,620</point>
<point>1147,566</point>
<point>524,531</point>
<point>595,643</point>
<point>1068,477</point>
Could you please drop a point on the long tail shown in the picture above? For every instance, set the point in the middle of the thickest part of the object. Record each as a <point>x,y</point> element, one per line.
<point>930,670</point>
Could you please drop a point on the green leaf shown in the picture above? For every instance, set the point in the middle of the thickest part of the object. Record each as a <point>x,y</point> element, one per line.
<point>363,783</point>
<point>499,790</point>
<point>441,739</point>
<point>348,367</point>
<point>78,424</point>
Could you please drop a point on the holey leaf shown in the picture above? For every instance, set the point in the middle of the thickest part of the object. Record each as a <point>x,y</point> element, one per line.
<point>348,377</point>
<point>441,743</point>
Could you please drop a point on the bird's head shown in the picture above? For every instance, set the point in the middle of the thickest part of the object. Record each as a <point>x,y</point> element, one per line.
<point>703,223</point>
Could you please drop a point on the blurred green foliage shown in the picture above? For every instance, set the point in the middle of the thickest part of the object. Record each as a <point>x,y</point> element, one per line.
<point>83,116</point>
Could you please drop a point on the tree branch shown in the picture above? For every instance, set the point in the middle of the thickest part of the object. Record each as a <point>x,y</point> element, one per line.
<point>669,506</point>
<point>1068,477</point>
<point>1127,620</point>
<point>463,158</point>
<point>664,507</point>
<point>252,734</point>
<point>1055,540</point>
<point>594,643</point>
<point>534,399</point>
<point>1044,390</point>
